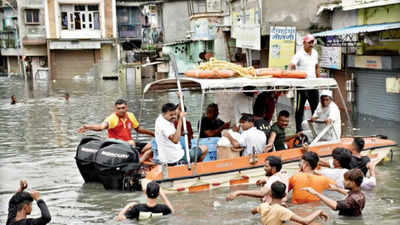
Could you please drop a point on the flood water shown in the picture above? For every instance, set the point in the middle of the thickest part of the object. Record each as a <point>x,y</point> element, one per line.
<point>38,139</point>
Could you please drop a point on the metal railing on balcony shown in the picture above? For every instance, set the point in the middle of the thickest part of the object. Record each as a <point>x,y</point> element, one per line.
<point>196,7</point>
<point>130,31</point>
<point>8,39</point>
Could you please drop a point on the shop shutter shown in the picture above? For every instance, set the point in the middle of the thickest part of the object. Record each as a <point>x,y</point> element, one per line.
<point>69,63</point>
<point>372,98</point>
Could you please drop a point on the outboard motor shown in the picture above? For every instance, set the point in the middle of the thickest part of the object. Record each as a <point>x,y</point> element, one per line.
<point>86,155</point>
<point>118,166</point>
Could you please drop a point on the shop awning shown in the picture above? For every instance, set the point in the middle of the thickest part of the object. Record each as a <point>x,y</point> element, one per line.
<point>359,29</point>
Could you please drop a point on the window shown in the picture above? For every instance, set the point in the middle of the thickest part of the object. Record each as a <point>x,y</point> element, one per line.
<point>32,16</point>
<point>80,17</point>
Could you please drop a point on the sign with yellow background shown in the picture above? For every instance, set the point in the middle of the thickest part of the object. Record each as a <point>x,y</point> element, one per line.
<point>281,46</point>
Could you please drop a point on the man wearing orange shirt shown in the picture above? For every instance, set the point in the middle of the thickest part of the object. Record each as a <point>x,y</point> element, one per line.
<point>119,124</point>
<point>307,178</point>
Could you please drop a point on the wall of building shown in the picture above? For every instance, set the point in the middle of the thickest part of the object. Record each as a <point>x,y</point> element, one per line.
<point>13,66</point>
<point>176,21</point>
<point>302,14</point>
<point>31,31</point>
<point>342,18</point>
<point>35,50</point>
<point>381,14</point>
<point>109,19</point>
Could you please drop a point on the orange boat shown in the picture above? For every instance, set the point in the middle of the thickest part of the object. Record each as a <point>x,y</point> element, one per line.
<point>246,170</point>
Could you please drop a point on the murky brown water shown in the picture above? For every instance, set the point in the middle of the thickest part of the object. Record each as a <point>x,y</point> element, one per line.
<point>38,140</point>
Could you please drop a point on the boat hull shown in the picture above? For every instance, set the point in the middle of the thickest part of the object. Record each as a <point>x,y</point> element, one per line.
<point>229,172</point>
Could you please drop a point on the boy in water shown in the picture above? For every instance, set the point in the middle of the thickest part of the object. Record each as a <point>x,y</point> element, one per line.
<point>13,100</point>
<point>275,214</point>
<point>20,206</point>
<point>151,208</point>
<point>354,203</point>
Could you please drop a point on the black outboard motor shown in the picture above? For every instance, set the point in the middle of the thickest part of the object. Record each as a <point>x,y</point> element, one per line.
<point>86,155</point>
<point>118,166</point>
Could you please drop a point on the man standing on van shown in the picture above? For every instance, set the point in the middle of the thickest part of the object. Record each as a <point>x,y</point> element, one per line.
<point>306,60</point>
<point>119,124</point>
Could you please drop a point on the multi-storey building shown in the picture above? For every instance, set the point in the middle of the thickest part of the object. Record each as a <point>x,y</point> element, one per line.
<point>11,52</point>
<point>81,34</point>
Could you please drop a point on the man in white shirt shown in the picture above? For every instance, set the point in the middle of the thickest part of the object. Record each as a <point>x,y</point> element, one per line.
<point>251,138</point>
<point>341,164</point>
<point>306,60</point>
<point>167,138</point>
<point>329,112</point>
<point>273,173</point>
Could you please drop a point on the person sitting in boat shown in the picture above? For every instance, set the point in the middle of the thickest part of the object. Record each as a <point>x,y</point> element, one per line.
<point>307,178</point>
<point>274,213</point>
<point>211,126</point>
<point>277,137</point>
<point>151,208</point>
<point>20,206</point>
<point>264,108</point>
<point>250,139</point>
<point>119,125</point>
<point>328,112</point>
<point>167,138</point>
<point>272,168</point>
<point>354,202</point>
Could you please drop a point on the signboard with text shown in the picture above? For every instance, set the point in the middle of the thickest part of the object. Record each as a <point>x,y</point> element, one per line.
<point>249,36</point>
<point>370,62</point>
<point>331,58</point>
<point>281,46</point>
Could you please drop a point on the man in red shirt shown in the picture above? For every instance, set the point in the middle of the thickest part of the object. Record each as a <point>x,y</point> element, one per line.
<point>119,124</point>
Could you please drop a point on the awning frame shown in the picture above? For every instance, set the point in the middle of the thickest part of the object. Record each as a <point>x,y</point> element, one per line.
<point>348,36</point>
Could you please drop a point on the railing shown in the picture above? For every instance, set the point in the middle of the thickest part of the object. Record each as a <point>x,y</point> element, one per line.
<point>130,31</point>
<point>7,39</point>
<point>196,7</point>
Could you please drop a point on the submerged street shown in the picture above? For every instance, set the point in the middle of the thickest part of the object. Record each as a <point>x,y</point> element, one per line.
<point>39,137</point>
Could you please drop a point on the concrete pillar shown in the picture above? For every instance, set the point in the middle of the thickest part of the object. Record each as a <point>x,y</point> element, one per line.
<point>220,50</point>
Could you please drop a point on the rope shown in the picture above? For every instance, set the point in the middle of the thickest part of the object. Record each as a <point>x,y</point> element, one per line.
<point>249,72</point>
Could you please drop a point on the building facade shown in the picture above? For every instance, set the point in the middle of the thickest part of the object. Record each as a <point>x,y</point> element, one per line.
<point>366,39</point>
<point>11,61</point>
<point>81,34</point>
<point>32,35</point>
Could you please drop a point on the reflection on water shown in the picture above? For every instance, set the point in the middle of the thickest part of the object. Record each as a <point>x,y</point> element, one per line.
<point>38,139</point>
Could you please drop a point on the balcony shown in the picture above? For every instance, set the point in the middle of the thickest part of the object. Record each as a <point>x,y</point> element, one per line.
<point>8,39</point>
<point>204,7</point>
<point>130,31</point>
